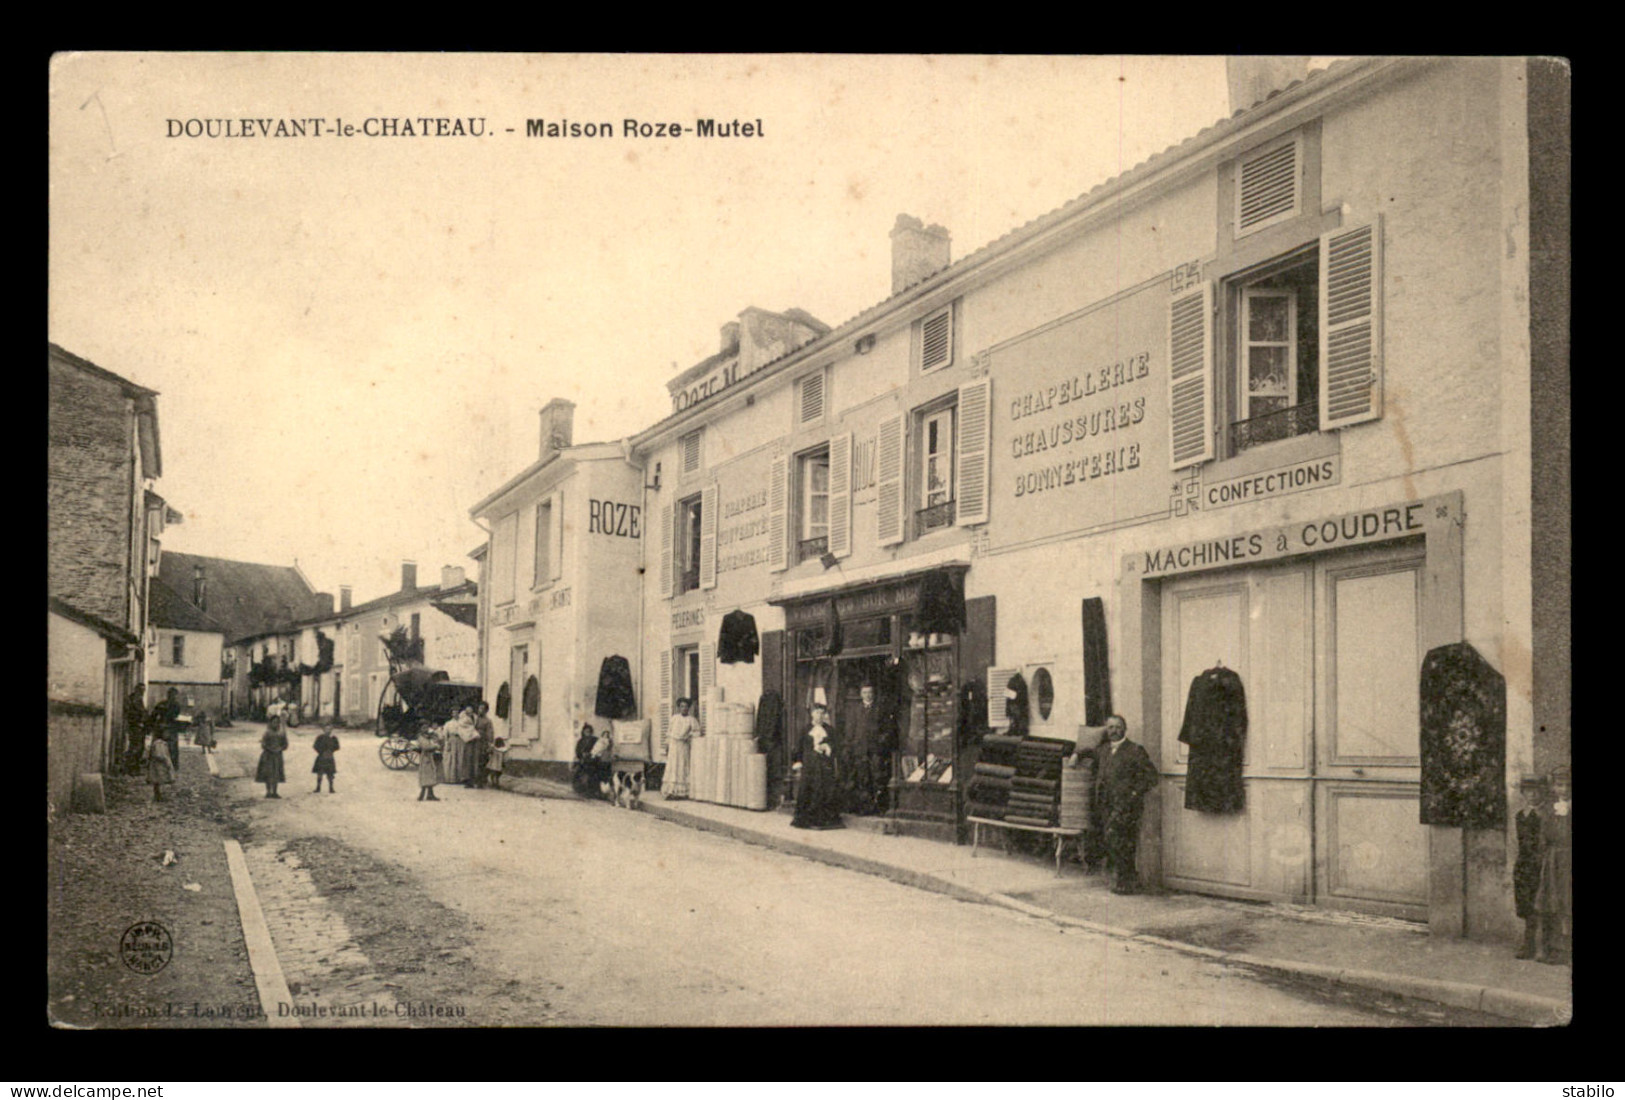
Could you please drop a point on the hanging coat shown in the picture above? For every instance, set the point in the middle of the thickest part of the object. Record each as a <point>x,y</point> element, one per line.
<point>769,722</point>
<point>1463,705</point>
<point>504,700</point>
<point>972,713</point>
<point>1215,728</point>
<point>532,700</point>
<point>615,689</point>
<point>940,606</point>
<point>737,642</point>
<point>1097,682</point>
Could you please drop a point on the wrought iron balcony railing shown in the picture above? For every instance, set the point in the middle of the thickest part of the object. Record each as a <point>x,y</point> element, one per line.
<point>1283,424</point>
<point>934,518</point>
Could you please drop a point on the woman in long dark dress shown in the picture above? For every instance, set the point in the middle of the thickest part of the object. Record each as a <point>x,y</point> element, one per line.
<point>818,800</point>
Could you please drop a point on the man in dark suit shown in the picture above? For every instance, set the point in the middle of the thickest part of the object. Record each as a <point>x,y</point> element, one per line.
<point>863,764</point>
<point>1126,775</point>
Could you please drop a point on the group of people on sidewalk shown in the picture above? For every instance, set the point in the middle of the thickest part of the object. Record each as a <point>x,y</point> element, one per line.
<point>464,749</point>
<point>160,732</point>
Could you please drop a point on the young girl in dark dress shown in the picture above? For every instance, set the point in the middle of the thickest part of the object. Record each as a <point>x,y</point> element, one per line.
<point>272,746</point>
<point>326,745</point>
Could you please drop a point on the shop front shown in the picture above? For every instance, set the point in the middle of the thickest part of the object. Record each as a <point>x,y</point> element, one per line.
<point>1315,632</point>
<point>871,635</point>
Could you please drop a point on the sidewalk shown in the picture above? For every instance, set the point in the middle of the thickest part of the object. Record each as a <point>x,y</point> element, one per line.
<point>1376,953</point>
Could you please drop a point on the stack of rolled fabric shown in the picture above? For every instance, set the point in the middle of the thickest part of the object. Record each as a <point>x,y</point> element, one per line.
<point>1036,786</point>
<point>990,790</point>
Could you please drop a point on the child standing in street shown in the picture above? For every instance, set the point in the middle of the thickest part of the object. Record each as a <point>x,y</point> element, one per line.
<point>429,774</point>
<point>326,745</point>
<point>160,771</point>
<point>272,745</point>
<point>493,767</point>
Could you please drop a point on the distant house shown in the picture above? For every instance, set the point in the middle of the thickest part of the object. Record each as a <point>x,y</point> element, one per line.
<point>216,618</point>
<point>443,616</point>
<point>104,524</point>
<point>184,649</point>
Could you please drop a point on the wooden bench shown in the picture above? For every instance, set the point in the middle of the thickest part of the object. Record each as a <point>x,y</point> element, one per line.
<point>1058,833</point>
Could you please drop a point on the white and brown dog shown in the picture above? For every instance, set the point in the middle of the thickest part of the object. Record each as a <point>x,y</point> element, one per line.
<point>628,790</point>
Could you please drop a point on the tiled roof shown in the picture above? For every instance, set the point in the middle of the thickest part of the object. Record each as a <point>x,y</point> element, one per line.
<point>169,610</point>
<point>246,598</point>
<point>88,367</point>
<point>431,592</point>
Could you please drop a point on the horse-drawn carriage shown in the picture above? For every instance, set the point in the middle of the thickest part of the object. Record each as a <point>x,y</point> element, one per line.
<point>412,700</point>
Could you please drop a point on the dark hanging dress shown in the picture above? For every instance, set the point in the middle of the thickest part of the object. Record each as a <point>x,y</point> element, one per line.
<point>615,689</point>
<point>818,802</point>
<point>1215,728</point>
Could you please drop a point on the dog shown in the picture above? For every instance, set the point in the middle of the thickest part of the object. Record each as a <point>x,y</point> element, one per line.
<point>628,791</point>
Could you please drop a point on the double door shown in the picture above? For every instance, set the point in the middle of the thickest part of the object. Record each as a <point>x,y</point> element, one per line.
<point>1328,651</point>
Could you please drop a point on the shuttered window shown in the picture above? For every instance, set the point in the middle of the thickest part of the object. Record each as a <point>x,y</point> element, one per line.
<point>1351,325</point>
<point>665,701</point>
<point>1190,376</point>
<point>937,340</point>
<point>504,554</point>
<point>889,513</point>
<point>689,453</point>
<point>557,563</point>
<point>708,536</point>
<point>778,496</point>
<point>1267,186</point>
<point>810,398</point>
<point>975,403</point>
<point>997,679</point>
<point>668,520</point>
<point>708,681</point>
<point>840,495</point>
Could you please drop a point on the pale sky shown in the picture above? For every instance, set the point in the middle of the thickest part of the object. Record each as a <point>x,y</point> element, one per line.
<point>352,336</point>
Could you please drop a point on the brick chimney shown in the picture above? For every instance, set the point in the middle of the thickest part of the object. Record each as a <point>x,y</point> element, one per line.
<point>730,337</point>
<point>409,575</point>
<point>200,588</point>
<point>344,597</point>
<point>918,251</point>
<point>1252,79</point>
<point>451,576</point>
<point>558,419</point>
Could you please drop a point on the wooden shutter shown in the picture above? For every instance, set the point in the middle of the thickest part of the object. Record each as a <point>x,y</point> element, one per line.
<point>778,498</point>
<point>691,453</point>
<point>665,664</point>
<point>840,495</point>
<point>889,512</point>
<point>997,680</point>
<point>556,560</point>
<point>668,521</point>
<point>1190,376</point>
<point>971,452</point>
<point>1351,325</point>
<point>708,536</point>
<point>708,681</point>
<point>937,340</point>
<point>1267,187</point>
<point>811,398</point>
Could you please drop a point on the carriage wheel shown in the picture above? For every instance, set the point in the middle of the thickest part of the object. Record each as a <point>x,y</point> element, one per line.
<point>397,754</point>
